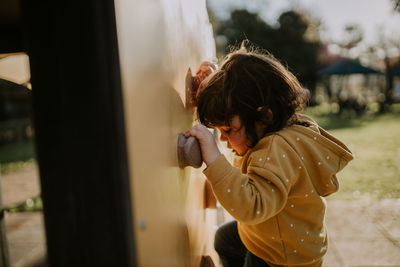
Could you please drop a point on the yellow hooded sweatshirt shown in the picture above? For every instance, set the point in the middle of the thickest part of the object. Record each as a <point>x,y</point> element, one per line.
<point>277,194</point>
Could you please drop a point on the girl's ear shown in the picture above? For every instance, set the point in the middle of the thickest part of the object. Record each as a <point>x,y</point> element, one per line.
<point>265,113</point>
<point>270,114</point>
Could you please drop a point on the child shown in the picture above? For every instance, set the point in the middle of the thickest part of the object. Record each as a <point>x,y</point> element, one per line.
<point>287,165</point>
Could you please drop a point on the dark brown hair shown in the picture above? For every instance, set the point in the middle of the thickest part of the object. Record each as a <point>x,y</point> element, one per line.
<point>247,80</point>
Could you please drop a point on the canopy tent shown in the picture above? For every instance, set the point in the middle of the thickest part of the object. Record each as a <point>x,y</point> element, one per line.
<point>350,95</point>
<point>395,71</point>
<point>347,67</point>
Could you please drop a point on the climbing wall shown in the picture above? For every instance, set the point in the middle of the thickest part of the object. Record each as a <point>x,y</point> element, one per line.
<point>159,40</point>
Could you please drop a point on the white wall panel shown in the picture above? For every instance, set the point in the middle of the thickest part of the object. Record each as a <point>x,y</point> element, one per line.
<point>158,41</point>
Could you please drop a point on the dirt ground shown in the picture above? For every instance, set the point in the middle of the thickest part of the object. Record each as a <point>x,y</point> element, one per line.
<point>361,233</point>
<point>25,231</point>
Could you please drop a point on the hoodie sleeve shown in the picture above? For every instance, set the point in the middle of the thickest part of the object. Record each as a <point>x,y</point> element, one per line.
<point>259,194</point>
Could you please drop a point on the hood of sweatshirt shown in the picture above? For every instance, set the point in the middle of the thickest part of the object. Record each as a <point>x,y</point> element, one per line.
<point>326,154</point>
<point>322,154</point>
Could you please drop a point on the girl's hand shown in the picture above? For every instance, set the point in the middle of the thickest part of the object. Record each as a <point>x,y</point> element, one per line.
<point>204,70</point>
<point>209,149</point>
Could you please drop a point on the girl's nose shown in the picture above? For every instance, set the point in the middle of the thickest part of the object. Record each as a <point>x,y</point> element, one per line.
<point>222,137</point>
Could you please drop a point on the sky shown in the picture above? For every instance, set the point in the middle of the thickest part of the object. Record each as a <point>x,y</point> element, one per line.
<point>374,16</point>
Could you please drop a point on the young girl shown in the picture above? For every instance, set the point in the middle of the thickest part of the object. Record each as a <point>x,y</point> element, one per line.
<point>287,165</point>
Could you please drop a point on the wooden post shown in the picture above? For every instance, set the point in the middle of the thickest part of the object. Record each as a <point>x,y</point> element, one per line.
<point>79,132</point>
<point>4,257</point>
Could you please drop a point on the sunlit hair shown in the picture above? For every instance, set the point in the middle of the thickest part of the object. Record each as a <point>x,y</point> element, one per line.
<point>249,79</point>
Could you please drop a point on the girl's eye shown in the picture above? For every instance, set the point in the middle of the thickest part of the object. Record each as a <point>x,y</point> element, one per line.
<point>226,131</point>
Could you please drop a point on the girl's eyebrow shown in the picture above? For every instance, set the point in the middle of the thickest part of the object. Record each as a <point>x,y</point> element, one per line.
<point>225,128</point>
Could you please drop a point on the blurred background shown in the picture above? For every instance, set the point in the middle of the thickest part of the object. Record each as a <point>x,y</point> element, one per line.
<point>345,52</point>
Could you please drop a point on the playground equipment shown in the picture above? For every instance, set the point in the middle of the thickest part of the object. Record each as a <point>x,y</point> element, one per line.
<point>110,97</point>
<point>159,42</point>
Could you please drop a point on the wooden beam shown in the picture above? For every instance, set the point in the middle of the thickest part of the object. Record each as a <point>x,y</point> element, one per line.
<point>4,256</point>
<point>80,132</point>
<point>10,27</point>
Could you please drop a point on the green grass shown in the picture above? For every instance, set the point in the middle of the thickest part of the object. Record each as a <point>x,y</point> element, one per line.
<point>375,142</point>
<point>29,205</point>
<point>16,156</point>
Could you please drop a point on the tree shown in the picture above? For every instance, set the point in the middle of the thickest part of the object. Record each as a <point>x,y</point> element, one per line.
<point>287,42</point>
<point>387,51</point>
<point>353,35</point>
<point>292,46</point>
<point>243,25</point>
<point>396,5</point>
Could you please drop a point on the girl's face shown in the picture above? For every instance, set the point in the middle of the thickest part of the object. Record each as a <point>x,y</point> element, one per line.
<point>235,136</point>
